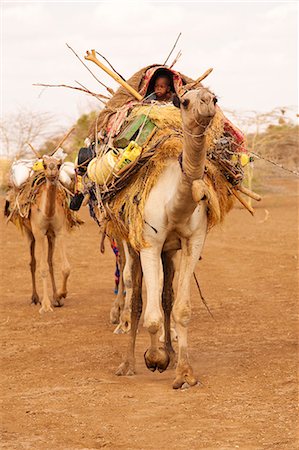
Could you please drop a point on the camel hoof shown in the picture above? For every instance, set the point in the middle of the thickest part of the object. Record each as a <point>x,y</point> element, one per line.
<point>184,375</point>
<point>118,330</point>
<point>58,302</point>
<point>35,299</point>
<point>157,359</point>
<point>125,369</point>
<point>45,308</point>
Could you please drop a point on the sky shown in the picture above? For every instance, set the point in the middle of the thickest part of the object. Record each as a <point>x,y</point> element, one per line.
<point>251,46</point>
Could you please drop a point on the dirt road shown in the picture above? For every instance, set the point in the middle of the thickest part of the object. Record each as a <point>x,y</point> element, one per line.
<point>58,385</point>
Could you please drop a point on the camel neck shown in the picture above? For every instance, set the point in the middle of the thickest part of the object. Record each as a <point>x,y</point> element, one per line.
<point>193,165</point>
<point>194,152</point>
<point>50,198</point>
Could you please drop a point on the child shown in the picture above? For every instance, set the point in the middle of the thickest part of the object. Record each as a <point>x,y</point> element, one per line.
<point>162,88</point>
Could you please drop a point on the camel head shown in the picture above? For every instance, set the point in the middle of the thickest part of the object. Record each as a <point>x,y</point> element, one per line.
<point>51,167</point>
<point>198,107</point>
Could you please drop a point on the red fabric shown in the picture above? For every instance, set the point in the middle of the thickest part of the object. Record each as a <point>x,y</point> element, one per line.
<point>238,136</point>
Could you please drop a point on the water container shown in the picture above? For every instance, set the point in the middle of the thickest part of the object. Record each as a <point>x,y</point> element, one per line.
<point>101,170</point>
<point>38,165</point>
<point>130,153</point>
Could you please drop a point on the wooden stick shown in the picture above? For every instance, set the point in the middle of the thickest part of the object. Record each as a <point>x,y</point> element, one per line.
<point>62,140</point>
<point>172,49</point>
<point>204,75</point>
<point>91,56</point>
<point>114,70</point>
<point>33,149</point>
<point>241,200</point>
<point>249,193</point>
<point>175,60</point>
<point>108,89</point>
<point>98,96</point>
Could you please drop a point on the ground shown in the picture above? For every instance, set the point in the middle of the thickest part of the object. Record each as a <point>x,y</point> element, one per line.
<point>58,385</point>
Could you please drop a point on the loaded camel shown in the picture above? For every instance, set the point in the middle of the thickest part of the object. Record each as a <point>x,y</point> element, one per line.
<point>47,223</point>
<point>177,213</point>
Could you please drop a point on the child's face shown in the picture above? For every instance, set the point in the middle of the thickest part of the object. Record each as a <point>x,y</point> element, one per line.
<point>162,87</point>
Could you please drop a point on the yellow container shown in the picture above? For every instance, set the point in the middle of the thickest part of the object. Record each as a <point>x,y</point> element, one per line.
<point>102,170</point>
<point>244,159</point>
<point>130,153</point>
<point>38,165</point>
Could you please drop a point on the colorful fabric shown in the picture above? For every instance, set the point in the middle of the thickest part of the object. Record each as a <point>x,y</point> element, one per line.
<point>117,264</point>
<point>177,80</point>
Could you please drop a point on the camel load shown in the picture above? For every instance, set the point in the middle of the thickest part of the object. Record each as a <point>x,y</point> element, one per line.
<point>38,204</point>
<point>27,176</point>
<point>137,135</point>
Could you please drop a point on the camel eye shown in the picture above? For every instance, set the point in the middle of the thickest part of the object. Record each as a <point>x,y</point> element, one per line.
<point>185,103</point>
<point>45,166</point>
<point>58,166</point>
<point>215,100</point>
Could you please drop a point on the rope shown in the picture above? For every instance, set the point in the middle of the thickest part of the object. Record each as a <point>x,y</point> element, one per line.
<point>201,296</point>
<point>280,166</point>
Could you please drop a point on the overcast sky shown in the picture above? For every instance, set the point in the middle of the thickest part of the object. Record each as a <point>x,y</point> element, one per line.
<point>252,47</point>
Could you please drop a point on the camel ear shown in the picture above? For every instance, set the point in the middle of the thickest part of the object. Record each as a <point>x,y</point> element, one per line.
<point>176,101</point>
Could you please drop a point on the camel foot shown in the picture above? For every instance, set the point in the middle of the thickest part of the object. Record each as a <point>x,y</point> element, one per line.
<point>114,315</point>
<point>58,302</point>
<point>118,330</point>
<point>35,299</point>
<point>126,368</point>
<point>45,308</point>
<point>157,359</point>
<point>184,374</point>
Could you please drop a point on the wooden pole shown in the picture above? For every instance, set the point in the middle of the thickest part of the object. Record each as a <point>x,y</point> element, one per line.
<point>91,56</point>
<point>249,193</point>
<point>203,76</point>
<point>33,149</point>
<point>62,140</point>
<point>241,200</point>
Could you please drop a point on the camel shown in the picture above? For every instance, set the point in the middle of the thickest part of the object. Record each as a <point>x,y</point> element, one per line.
<point>47,223</point>
<point>175,217</point>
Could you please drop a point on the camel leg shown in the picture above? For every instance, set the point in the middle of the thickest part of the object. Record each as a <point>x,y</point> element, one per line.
<point>167,301</point>
<point>191,250</point>
<point>127,367</point>
<point>156,357</point>
<point>51,247</point>
<point>41,246</point>
<point>118,304</point>
<point>128,273</point>
<point>65,266</point>
<point>35,298</point>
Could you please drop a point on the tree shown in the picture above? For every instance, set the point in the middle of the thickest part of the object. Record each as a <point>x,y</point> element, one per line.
<point>21,128</point>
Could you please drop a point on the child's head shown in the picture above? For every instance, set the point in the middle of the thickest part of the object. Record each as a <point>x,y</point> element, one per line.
<point>162,87</point>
